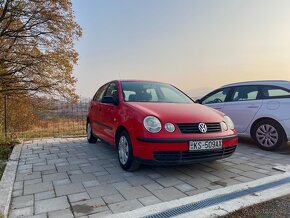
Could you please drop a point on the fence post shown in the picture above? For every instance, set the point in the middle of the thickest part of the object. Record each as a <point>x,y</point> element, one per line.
<point>5,115</point>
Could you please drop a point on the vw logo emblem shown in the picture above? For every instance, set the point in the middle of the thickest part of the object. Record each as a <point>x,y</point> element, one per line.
<point>202,127</point>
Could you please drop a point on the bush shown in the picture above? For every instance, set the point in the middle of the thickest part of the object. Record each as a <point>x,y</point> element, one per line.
<point>6,146</point>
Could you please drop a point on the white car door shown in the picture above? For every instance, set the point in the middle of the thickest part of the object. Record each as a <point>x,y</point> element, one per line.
<point>216,98</point>
<point>243,106</point>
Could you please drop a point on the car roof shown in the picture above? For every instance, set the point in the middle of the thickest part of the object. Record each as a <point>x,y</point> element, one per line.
<point>281,83</point>
<point>135,80</point>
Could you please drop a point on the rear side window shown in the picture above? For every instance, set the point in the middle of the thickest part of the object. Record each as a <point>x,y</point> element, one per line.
<point>245,93</point>
<point>275,92</point>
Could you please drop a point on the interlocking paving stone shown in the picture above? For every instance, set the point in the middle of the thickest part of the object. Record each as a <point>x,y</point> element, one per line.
<point>82,177</point>
<point>44,167</point>
<point>79,197</point>
<point>61,182</point>
<point>54,176</point>
<point>134,192</point>
<point>52,204</point>
<point>74,170</point>
<point>101,190</point>
<point>149,200</point>
<point>139,180</point>
<point>87,207</point>
<point>21,212</point>
<point>110,199</point>
<point>108,179</point>
<point>60,213</point>
<point>125,206</point>
<point>184,187</point>
<point>121,185</point>
<point>153,186</point>
<point>69,189</point>
<point>28,176</point>
<point>22,201</point>
<point>44,195</point>
<point>43,215</point>
<point>91,183</point>
<point>168,194</point>
<point>39,187</point>
<point>32,181</point>
<point>168,181</point>
<point>99,214</point>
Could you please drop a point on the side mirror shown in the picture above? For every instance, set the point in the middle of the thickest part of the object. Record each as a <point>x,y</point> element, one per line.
<point>110,100</point>
<point>198,101</point>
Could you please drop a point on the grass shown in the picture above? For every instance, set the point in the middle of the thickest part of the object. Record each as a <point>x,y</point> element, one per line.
<point>275,208</point>
<point>54,128</point>
<point>6,147</point>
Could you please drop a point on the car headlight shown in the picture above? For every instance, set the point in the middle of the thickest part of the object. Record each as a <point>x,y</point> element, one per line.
<point>224,126</point>
<point>169,127</point>
<point>229,122</point>
<point>152,124</point>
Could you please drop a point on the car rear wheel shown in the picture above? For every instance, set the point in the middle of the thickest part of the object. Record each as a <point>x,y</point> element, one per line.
<point>90,136</point>
<point>125,152</point>
<point>269,135</point>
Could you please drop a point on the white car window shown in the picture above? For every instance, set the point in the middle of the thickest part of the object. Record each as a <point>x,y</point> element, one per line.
<point>275,92</point>
<point>216,97</point>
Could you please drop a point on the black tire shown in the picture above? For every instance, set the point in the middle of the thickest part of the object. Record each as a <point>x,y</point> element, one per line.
<point>90,136</point>
<point>130,163</point>
<point>269,135</point>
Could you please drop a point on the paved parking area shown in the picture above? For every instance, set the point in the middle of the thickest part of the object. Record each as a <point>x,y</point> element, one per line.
<point>69,177</point>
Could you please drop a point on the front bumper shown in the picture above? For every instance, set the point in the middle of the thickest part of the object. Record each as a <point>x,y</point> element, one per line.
<point>160,151</point>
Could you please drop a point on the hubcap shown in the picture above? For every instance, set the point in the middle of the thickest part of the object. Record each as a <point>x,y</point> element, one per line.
<point>123,148</point>
<point>267,135</point>
<point>89,131</point>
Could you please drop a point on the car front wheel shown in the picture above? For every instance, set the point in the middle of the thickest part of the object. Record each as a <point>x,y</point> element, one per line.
<point>269,135</point>
<point>125,152</point>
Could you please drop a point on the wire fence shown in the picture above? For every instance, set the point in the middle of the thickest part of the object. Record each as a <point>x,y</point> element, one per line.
<point>46,118</point>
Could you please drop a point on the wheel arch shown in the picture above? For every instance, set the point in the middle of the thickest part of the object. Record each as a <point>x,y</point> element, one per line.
<point>264,118</point>
<point>88,119</point>
<point>120,129</point>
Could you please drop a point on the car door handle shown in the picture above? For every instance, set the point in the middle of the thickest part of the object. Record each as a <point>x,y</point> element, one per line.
<point>253,106</point>
<point>217,108</point>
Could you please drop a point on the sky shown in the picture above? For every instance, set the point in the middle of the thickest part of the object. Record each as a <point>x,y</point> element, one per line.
<point>196,45</point>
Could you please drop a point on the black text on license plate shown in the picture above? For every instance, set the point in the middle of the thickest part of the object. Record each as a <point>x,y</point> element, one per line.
<point>205,145</point>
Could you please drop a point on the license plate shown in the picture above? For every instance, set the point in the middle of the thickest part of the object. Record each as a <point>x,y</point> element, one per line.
<point>205,145</point>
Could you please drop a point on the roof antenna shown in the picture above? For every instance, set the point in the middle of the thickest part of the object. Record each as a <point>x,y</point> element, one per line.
<point>119,75</point>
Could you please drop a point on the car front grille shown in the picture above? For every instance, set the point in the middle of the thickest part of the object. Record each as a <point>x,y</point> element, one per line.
<point>196,156</point>
<point>189,128</point>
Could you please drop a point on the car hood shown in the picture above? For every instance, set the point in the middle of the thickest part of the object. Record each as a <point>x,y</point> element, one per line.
<point>178,112</point>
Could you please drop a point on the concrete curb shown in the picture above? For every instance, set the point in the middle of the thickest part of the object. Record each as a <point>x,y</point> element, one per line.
<point>7,181</point>
<point>219,209</point>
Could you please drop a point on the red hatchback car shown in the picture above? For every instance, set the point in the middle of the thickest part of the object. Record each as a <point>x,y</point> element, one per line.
<point>156,123</point>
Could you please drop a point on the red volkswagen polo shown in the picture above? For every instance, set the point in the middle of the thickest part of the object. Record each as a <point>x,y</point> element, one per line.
<point>156,123</point>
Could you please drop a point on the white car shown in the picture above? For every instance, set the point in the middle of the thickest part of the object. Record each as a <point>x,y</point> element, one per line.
<point>259,109</point>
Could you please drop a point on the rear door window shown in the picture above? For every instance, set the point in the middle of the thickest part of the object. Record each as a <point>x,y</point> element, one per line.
<point>245,93</point>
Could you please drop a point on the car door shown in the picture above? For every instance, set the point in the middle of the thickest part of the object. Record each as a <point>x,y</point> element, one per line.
<point>95,110</point>
<point>276,102</point>
<point>216,98</point>
<point>109,113</point>
<point>243,105</point>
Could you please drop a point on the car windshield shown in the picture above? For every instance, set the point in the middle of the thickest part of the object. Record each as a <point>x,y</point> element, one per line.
<point>152,92</point>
